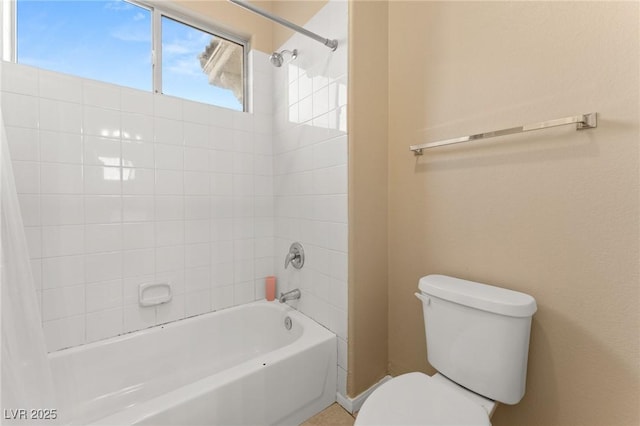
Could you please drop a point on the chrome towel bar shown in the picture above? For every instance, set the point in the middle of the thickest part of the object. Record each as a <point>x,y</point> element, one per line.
<point>584,121</point>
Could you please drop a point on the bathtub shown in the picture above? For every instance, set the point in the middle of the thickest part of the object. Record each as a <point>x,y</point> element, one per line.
<point>238,366</point>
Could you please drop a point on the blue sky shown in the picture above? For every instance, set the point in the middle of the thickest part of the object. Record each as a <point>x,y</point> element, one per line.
<point>111,41</point>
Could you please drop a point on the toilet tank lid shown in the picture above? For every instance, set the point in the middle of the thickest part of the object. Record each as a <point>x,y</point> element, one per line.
<point>479,296</point>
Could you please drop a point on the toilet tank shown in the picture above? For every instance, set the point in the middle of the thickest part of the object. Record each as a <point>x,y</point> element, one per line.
<point>478,335</point>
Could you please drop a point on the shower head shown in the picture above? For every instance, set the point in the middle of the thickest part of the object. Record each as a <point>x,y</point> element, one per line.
<point>277,58</point>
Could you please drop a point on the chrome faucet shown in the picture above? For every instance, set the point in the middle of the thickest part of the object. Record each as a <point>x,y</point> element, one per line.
<point>295,257</point>
<point>290,257</point>
<point>290,295</point>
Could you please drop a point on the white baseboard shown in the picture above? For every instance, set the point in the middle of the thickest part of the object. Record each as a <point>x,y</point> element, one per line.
<point>353,405</point>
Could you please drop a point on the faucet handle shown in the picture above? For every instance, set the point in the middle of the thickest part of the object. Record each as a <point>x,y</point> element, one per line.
<point>288,259</point>
<point>295,257</point>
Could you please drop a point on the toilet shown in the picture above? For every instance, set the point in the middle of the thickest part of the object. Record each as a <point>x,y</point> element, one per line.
<point>478,341</point>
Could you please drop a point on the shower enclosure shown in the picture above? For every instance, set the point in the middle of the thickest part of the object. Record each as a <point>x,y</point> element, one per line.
<point>116,187</point>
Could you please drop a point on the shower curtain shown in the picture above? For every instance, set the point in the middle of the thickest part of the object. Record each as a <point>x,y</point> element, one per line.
<point>26,376</point>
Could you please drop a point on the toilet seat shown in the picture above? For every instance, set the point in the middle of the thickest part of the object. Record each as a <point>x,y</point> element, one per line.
<point>417,399</point>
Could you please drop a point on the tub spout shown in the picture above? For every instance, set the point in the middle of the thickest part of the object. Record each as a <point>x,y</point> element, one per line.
<point>290,295</point>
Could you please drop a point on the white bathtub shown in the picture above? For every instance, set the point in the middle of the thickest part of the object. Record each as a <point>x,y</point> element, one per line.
<point>239,366</point>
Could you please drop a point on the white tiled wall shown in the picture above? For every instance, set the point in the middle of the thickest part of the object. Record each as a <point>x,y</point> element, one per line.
<point>310,173</point>
<point>120,187</point>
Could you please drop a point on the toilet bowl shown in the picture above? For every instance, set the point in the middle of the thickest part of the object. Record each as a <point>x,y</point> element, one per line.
<point>478,341</point>
<point>418,399</point>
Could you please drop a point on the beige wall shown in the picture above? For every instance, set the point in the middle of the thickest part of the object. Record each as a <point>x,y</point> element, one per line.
<point>367,112</point>
<point>296,11</point>
<point>263,33</point>
<point>551,213</point>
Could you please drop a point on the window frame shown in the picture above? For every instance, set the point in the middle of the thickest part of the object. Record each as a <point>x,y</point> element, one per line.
<point>158,9</point>
<point>8,18</point>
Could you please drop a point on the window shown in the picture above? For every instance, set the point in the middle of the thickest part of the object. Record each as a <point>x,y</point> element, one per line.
<point>103,40</point>
<point>114,41</point>
<point>198,65</point>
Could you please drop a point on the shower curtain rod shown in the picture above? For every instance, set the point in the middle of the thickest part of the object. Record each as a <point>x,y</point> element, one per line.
<point>331,44</point>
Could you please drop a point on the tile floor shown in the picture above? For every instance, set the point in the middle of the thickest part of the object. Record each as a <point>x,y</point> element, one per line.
<point>334,415</point>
